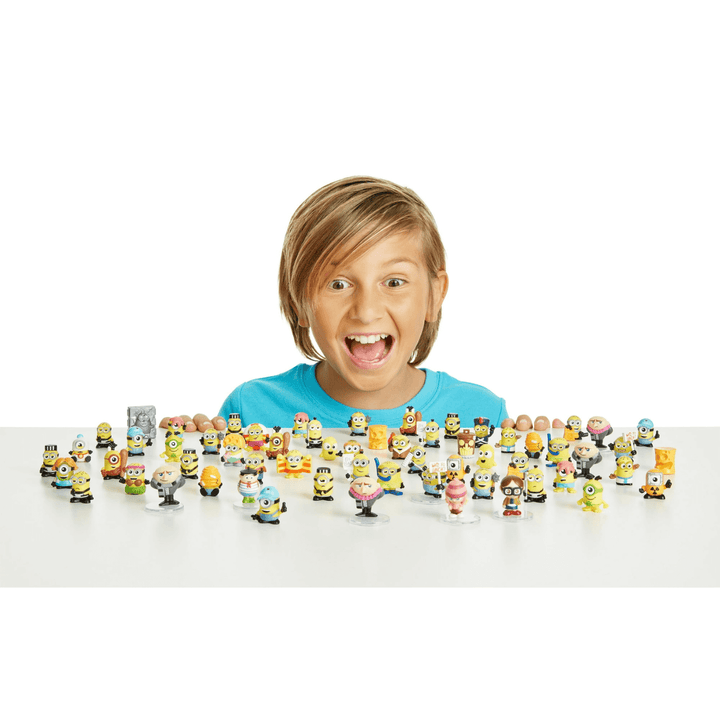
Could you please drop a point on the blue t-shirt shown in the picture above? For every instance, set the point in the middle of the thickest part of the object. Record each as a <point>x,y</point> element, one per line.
<point>275,400</point>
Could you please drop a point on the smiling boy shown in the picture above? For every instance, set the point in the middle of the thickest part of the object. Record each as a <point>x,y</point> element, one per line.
<point>363,267</point>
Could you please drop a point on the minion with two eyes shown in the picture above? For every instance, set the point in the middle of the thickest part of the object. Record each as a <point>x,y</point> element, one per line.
<point>358,423</point>
<point>49,457</point>
<point>294,464</point>
<point>432,435</point>
<point>389,477</point>
<point>134,479</point>
<point>104,438</point>
<point>330,450</point>
<point>508,439</point>
<point>314,434</point>
<point>624,471</point>
<point>360,466</point>
<point>210,441</point>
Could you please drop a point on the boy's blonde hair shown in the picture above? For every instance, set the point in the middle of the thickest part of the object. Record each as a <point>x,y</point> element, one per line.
<point>339,223</point>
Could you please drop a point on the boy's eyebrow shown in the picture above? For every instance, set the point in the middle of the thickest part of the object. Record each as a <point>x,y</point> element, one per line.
<point>395,261</point>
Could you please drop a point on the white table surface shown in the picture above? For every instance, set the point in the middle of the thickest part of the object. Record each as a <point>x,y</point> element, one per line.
<point>47,541</point>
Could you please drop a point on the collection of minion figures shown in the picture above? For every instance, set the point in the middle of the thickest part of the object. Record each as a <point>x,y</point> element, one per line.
<point>248,449</point>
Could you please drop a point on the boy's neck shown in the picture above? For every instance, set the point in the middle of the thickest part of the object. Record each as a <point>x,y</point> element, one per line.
<point>396,394</point>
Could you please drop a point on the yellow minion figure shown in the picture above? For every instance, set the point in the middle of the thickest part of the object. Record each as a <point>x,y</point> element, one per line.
<point>314,434</point>
<point>410,420</point>
<point>360,466</point>
<point>294,464</point>
<point>323,484</point>
<point>624,471</point>
<point>358,423</point>
<point>389,477</point>
<point>134,479</point>
<point>486,457</point>
<point>210,441</point>
<point>518,465</point>
<point>558,451</point>
<point>173,448</point>
<point>234,444</point>
<point>189,464</point>
<point>64,469</point>
<point>399,445</point>
<point>573,429</point>
<point>417,459</point>
<point>452,425</point>
<point>234,423</point>
<point>49,457</point>
<point>136,441</point>
<point>256,437</point>
<point>80,490</point>
<point>508,438</point>
<point>330,449</point>
<point>351,447</point>
<point>432,434</point>
<point>535,485</point>
<point>104,437</point>
<point>592,499</point>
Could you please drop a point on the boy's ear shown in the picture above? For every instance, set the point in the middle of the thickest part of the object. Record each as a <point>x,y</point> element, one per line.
<point>438,291</point>
<point>302,318</point>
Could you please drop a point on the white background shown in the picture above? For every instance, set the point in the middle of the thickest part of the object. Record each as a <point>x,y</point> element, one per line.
<point>151,154</point>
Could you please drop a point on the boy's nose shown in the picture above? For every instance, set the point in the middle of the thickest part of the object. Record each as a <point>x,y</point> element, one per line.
<point>367,306</point>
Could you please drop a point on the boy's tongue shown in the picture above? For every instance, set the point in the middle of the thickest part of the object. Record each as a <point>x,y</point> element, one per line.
<point>368,351</point>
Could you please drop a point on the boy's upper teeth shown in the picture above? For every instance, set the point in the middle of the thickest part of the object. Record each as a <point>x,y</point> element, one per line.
<point>366,339</point>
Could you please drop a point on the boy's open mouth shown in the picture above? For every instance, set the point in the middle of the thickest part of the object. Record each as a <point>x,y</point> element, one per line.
<point>369,348</point>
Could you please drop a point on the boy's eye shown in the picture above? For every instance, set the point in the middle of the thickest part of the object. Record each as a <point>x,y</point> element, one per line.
<point>339,284</point>
<point>394,282</point>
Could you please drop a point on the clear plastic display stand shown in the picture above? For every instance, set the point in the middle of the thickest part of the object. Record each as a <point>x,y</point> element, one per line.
<point>365,521</point>
<point>240,505</point>
<point>159,509</point>
<point>526,515</point>
<point>465,518</point>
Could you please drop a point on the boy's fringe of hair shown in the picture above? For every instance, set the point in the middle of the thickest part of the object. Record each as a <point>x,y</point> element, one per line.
<point>340,222</point>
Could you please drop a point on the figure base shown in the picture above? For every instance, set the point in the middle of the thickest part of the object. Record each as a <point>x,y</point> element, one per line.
<point>239,505</point>
<point>155,507</point>
<point>512,518</point>
<point>464,518</point>
<point>424,499</point>
<point>369,521</point>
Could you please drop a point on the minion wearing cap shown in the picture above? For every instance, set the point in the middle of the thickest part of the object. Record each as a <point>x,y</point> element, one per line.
<point>646,433</point>
<point>270,508</point>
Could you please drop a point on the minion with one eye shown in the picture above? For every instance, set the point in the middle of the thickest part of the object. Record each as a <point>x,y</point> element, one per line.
<point>300,421</point>
<point>64,470</point>
<point>646,433</point>
<point>330,450</point>
<point>278,442</point>
<point>360,466</point>
<point>456,469</point>
<point>410,420</point>
<point>314,434</point>
<point>114,464</point>
<point>81,488</point>
<point>50,455</point>
<point>173,448</point>
<point>565,476</point>
<point>136,441</point>
<point>592,499</point>
<point>189,464</point>
<point>535,485</point>
<point>452,426</point>
<point>655,485</point>
<point>104,437</point>
<point>389,477</point>
<point>483,484</point>
<point>624,471</point>
<point>80,451</point>
<point>358,423</point>
<point>432,435</point>
<point>210,441</point>
<point>416,460</point>
<point>269,510</point>
<point>508,438</point>
<point>134,479</point>
<point>323,484</point>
